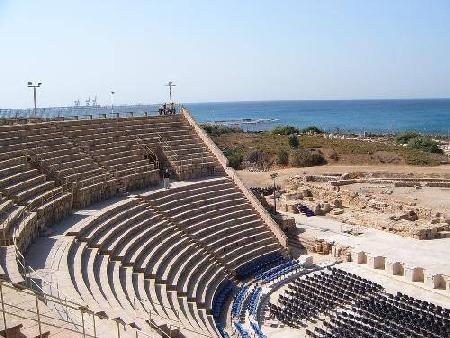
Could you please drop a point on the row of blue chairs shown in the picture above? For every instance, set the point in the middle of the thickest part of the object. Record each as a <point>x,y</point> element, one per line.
<point>238,300</point>
<point>280,271</point>
<point>241,331</point>
<point>257,330</point>
<point>224,289</point>
<point>303,209</point>
<point>260,264</point>
<point>254,300</point>
<point>281,265</point>
<point>222,331</point>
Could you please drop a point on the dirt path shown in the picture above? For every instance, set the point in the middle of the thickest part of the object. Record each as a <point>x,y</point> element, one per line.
<point>263,179</point>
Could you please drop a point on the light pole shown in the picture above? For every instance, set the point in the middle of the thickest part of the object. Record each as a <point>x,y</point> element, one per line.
<point>112,102</point>
<point>170,85</point>
<point>273,176</point>
<point>31,85</point>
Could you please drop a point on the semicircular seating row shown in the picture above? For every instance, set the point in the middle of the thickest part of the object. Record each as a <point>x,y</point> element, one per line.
<point>49,168</point>
<point>162,256</point>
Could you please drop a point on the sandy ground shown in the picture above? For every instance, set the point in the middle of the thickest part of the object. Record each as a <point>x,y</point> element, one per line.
<point>429,197</point>
<point>263,178</point>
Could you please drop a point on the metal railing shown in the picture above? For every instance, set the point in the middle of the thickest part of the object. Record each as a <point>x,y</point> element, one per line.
<point>63,303</point>
<point>71,313</point>
<point>59,113</point>
<point>168,149</point>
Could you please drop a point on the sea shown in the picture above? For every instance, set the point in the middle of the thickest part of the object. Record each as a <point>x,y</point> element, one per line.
<point>429,116</point>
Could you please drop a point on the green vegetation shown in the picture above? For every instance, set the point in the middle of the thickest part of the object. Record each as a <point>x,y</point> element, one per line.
<point>283,157</point>
<point>425,144</point>
<point>293,141</point>
<point>417,157</point>
<point>234,156</point>
<point>272,149</point>
<point>416,141</point>
<point>404,137</point>
<point>285,130</point>
<point>218,129</point>
<point>306,158</point>
<point>312,129</point>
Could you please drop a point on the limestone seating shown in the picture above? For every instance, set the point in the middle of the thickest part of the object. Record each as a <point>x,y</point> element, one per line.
<point>142,257</point>
<point>201,211</point>
<point>7,154</point>
<point>9,216</point>
<point>100,141</point>
<point>30,179</point>
<point>38,194</point>
<point>10,140</point>
<point>90,222</point>
<point>52,154</point>
<point>13,170</point>
<point>208,228</point>
<point>129,252</point>
<point>17,177</point>
<point>195,208</point>
<point>84,177</point>
<point>116,212</point>
<point>88,289</point>
<point>24,230</point>
<point>160,295</point>
<point>122,238</point>
<point>163,196</point>
<point>12,165</point>
<point>191,217</point>
<point>162,254</point>
<point>177,205</point>
<point>102,234</point>
<point>108,155</point>
<point>76,162</point>
<point>211,228</point>
<point>140,164</point>
<point>9,265</point>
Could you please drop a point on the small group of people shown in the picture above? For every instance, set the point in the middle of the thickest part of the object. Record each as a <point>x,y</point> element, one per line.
<point>167,109</point>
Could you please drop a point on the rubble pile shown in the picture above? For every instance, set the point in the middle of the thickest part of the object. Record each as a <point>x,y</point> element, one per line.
<point>373,206</point>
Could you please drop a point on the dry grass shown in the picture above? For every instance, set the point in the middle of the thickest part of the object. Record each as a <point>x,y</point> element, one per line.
<point>342,151</point>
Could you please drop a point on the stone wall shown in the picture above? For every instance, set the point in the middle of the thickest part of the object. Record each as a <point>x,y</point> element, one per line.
<point>205,138</point>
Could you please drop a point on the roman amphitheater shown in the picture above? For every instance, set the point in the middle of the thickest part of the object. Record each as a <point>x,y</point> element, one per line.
<point>93,245</point>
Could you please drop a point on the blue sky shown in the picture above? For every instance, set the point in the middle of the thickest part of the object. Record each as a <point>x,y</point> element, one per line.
<point>223,50</point>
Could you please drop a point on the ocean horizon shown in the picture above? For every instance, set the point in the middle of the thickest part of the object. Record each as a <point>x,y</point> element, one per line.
<point>429,116</point>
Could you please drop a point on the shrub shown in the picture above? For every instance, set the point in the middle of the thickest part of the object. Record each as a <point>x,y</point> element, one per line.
<point>219,129</point>
<point>415,157</point>
<point>404,137</point>
<point>312,130</point>
<point>257,156</point>
<point>425,144</point>
<point>234,156</point>
<point>282,157</point>
<point>334,155</point>
<point>293,141</point>
<point>305,158</point>
<point>285,130</point>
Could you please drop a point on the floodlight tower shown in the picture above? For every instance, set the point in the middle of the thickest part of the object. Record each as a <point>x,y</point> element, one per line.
<point>170,85</point>
<point>31,85</point>
<point>112,102</point>
<point>273,176</point>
